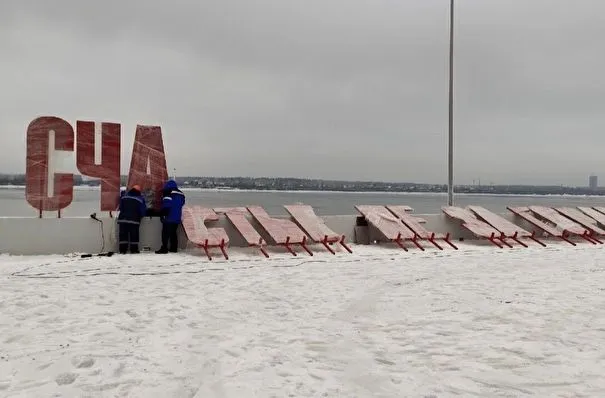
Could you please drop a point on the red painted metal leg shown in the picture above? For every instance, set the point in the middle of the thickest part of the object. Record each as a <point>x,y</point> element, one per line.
<point>533,237</point>
<point>502,239</point>
<point>593,237</point>
<point>261,247</point>
<point>515,237</point>
<point>205,246</point>
<point>328,247</point>
<point>432,240</point>
<point>325,243</point>
<point>288,247</point>
<point>493,240</point>
<point>343,244</point>
<point>415,241</point>
<point>564,237</point>
<point>588,238</point>
<point>449,242</point>
<point>518,241</point>
<point>399,243</point>
<point>222,247</point>
<point>303,244</point>
<point>505,242</point>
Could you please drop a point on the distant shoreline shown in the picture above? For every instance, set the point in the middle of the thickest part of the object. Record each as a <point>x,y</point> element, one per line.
<point>328,192</point>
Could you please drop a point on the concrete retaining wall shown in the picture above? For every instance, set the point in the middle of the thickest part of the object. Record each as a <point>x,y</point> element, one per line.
<point>33,236</point>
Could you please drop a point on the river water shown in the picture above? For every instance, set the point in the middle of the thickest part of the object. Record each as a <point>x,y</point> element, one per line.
<point>86,201</point>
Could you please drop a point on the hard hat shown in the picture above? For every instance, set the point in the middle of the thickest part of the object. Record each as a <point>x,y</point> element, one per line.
<point>137,187</point>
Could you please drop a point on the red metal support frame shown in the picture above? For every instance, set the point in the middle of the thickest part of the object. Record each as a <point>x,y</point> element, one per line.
<point>433,241</point>
<point>587,235</point>
<point>415,241</point>
<point>399,242</point>
<point>516,239</point>
<point>327,244</point>
<point>261,247</point>
<point>533,237</point>
<point>288,247</point>
<point>493,238</point>
<point>222,247</point>
<point>502,239</point>
<point>303,244</point>
<point>564,237</point>
<point>447,239</point>
<point>343,244</point>
<point>207,247</point>
<point>594,236</point>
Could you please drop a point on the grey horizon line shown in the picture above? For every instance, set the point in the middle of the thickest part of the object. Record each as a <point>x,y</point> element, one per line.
<point>337,181</point>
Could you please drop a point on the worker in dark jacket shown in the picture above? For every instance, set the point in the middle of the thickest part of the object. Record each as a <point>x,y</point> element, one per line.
<point>173,201</point>
<point>132,210</point>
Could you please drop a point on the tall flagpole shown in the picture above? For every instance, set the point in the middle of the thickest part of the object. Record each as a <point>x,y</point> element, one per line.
<point>450,169</point>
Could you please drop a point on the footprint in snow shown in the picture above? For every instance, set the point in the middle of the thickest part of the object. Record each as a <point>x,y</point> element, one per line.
<point>65,378</point>
<point>82,362</point>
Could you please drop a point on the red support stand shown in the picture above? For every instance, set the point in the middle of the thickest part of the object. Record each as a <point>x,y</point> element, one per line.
<point>206,248</point>
<point>433,241</point>
<point>586,236</point>
<point>343,244</point>
<point>533,237</point>
<point>449,242</point>
<point>399,242</point>
<point>564,237</point>
<point>303,244</point>
<point>415,241</point>
<point>593,237</point>
<point>493,238</point>
<point>502,239</point>
<point>222,247</point>
<point>288,247</point>
<point>516,239</point>
<point>327,244</point>
<point>261,247</point>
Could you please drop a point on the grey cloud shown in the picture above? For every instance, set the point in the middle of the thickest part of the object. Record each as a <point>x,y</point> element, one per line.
<point>350,89</point>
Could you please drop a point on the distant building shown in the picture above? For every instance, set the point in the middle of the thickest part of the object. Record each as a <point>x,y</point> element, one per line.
<point>592,182</point>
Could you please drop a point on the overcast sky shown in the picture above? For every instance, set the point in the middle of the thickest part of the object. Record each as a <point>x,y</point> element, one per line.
<point>335,89</point>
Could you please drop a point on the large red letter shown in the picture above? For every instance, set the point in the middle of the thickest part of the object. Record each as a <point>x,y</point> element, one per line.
<point>108,169</point>
<point>39,170</point>
<point>148,162</point>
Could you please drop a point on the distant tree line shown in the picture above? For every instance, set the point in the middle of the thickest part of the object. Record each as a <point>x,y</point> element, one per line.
<point>302,184</point>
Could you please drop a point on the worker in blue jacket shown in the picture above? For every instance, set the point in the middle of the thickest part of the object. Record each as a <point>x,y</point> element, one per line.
<point>173,201</point>
<point>132,210</point>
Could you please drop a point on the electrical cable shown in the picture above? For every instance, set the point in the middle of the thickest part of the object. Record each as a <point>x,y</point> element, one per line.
<point>94,217</point>
<point>101,253</point>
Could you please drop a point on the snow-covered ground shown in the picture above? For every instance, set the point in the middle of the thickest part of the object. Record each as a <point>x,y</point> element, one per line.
<point>381,322</point>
